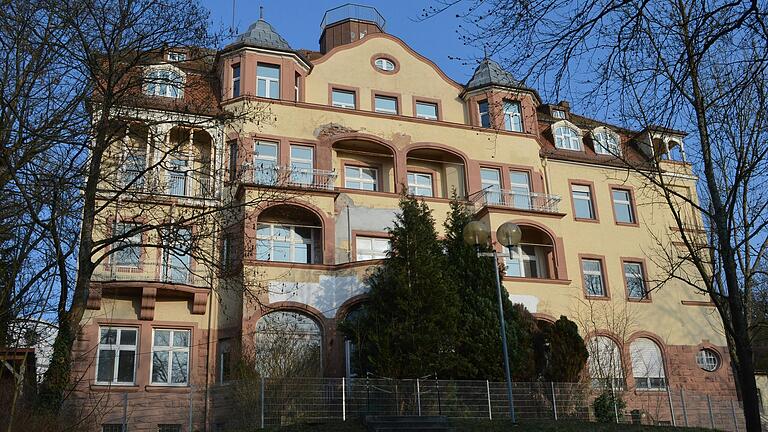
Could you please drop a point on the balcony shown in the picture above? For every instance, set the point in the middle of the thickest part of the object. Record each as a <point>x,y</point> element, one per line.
<point>145,271</point>
<point>288,176</point>
<point>530,201</point>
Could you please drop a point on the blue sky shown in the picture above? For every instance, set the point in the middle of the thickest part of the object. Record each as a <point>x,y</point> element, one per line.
<point>299,23</point>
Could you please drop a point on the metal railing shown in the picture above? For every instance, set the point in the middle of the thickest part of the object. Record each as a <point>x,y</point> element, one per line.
<point>148,271</point>
<point>289,176</point>
<point>353,11</point>
<point>175,183</point>
<point>533,201</point>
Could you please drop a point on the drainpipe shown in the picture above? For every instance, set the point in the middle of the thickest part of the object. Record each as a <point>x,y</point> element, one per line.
<point>547,187</point>
<point>349,236</point>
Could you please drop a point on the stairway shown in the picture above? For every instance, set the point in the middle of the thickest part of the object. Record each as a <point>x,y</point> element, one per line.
<point>407,423</point>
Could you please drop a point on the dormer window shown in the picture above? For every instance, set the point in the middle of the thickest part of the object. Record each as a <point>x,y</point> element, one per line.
<point>606,142</point>
<point>164,82</point>
<point>176,57</point>
<point>566,136</point>
<point>558,114</point>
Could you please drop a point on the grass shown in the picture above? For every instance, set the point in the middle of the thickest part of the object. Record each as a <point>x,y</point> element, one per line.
<point>464,425</point>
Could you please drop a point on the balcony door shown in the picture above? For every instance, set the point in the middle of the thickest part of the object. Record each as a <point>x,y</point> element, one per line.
<point>520,190</point>
<point>176,259</point>
<point>265,163</point>
<point>302,164</point>
<point>491,179</point>
<point>177,176</point>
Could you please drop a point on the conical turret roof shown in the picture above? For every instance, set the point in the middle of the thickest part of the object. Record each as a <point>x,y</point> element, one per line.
<point>261,34</point>
<point>489,73</point>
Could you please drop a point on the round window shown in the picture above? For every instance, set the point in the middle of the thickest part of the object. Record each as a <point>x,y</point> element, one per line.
<point>708,360</point>
<point>385,64</point>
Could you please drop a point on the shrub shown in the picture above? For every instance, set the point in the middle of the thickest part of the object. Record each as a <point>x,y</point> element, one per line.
<point>604,407</point>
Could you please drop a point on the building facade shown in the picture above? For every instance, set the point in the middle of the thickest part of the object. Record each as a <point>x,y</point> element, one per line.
<point>310,178</point>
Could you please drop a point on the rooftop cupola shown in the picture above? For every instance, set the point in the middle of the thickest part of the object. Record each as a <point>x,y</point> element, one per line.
<point>261,34</point>
<point>345,24</point>
<point>489,73</point>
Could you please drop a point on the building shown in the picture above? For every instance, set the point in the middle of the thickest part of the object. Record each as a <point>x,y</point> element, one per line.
<point>352,126</point>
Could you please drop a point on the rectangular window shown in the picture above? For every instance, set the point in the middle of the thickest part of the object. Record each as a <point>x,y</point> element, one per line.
<point>520,190</point>
<point>491,183</point>
<point>176,56</point>
<point>296,87</point>
<point>485,116</point>
<point>513,120</point>
<point>226,253</point>
<point>343,98</point>
<point>168,428</point>
<point>420,184</point>
<point>594,283</point>
<point>302,164</point>
<point>134,167</point>
<point>236,80</point>
<point>633,275</point>
<point>286,243</point>
<point>170,357</point>
<point>558,114</point>
<point>116,359</point>
<point>177,175</point>
<point>268,81</point>
<point>385,104</point>
<point>129,254</point>
<point>233,154</point>
<point>112,427</point>
<point>526,261</point>
<point>426,110</point>
<point>622,206</point>
<point>369,248</point>
<point>225,366</point>
<point>176,258</point>
<point>265,163</point>
<point>362,178</point>
<point>583,207</point>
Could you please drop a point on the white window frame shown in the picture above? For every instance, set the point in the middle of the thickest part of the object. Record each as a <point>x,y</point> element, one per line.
<point>606,141</point>
<point>175,56</point>
<point>518,258</point>
<point>302,169</point>
<point>296,86</point>
<point>293,240</point>
<point>484,114</point>
<point>558,114</point>
<point>515,118</point>
<point>340,104</point>
<point>169,86</point>
<point>377,109</point>
<point>520,200</point>
<point>117,347</point>
<point>600,272</point>
<point>567,136</point>
<point>268,81</point>
<point>236,90</point>
<point>416,188</point>
<point>172,258</point>
<point>629,276</point>
<point>384,64</point>
<point>584,193</point>
<point>265,165</point>
<point>359,178</point>
<point>372,252</point>
<point>431,105</point>
<point>171,350</point>
<point>491,187</point>
<point>623,202</point>
<point>133,168</point>
<point>708,360</point>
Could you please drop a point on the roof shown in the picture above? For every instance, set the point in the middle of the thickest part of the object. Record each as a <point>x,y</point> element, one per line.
<point>261,34</point>
<point>489,73</point>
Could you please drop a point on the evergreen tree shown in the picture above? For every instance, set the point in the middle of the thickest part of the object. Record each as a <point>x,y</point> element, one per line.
<point>567,353</point>
<point>409,325</point>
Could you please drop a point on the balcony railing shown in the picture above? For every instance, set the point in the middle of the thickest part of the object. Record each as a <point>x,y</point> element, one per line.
<point>145,271</point>
<point>538,202</point>
<point>178,184</point>
<point>287,176</point>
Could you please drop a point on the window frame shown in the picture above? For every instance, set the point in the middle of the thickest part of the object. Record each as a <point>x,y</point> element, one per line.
<point>376,182</point>
<point>372,237</point>
<point>153,85</point>
<point>715,355</point>
<point>488,124</point>
<point>262,163</point>
<point>140,255</point>
<point>643,274</point>
<point>542,266</point>
<point>311,244</point>
<point>592,200</point>
<point>268,80</point>
<point>603,275</point>
<point>170,350</point>
<point>176,56</point>
<point>559,137</point>
<point>431,102</point>
<point>493,195</point>
<point>649,383</point>
<point>384,60</point>
<point>416,185</point>
<point>631,204</point>
<point>391,97</point>
<point>609,134</point>
<point>236,79</point>
<point>512,115</point>
<point>355,92</point>
<point>117,347</point>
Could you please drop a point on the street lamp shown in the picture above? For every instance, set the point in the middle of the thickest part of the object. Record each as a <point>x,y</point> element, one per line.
<point>508,234</point>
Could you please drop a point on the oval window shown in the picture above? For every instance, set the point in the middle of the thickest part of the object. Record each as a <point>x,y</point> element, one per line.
<point>385,64</point>
<point>708,360</point>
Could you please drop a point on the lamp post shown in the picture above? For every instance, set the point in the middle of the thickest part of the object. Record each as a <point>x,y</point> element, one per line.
<point>508,234</point>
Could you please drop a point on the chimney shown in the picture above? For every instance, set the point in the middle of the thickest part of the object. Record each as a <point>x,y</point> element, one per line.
<point>349,23</point>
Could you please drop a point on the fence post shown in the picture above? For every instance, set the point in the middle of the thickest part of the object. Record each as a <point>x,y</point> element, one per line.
<point>439,402</point>
<point>613,396</point>
<point>685,410</point>
<point>733,412</point>
<point>125,411</point>
<point>711,418</point>
<point>418,395</point>
<point>190,408</point>
<point>671,408</point>
<point>488,392</point>
<point>344,399</point>
<point>263,402</point>
<point>554,400</point>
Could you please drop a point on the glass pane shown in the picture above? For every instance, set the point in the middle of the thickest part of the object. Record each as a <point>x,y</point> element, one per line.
<point>583,208</point>
<point>352,172</point>
<point>106,370</point>
<point>266,150</point>
<point>344,98</point>
<point>426,110</point>
<point>281,252</point>
<point>125,366</point>
<point>268,71</point>
<point>262,250</point>
<point>274,89</point>
<point>491,176</point>
<point>301,152</point>
<point>162,338</point>
<point>282,232</point>
<point>368,174</point>
<point>127,337</point>
<point>591,265</point>
<point>261,88</point>
<point>108,336</point>
<point>179,367</point>
<point>519,178</point>
<point>160,367</point>
<point>181,339</point>
<point>386,104</point>
<point>623,213</point>
<point>513,267</point>
<point>301,253</point>
<point>354,184</point>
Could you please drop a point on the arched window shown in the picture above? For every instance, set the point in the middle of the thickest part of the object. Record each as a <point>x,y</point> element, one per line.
<point>606,142</point>
<point>288,344</point>
<point>647,364</point>
<point>566,137</point>
<point>605,367</point>
<point>164,82</point>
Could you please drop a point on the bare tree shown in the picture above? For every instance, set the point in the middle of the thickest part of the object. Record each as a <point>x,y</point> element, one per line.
<point>674,64</point>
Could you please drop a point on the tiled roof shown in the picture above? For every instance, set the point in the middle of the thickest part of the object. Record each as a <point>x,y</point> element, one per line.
<point>262,35</point>
<point>488,72</point>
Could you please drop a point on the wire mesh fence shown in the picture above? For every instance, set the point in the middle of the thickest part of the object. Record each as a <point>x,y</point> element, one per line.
<point>266,402</point>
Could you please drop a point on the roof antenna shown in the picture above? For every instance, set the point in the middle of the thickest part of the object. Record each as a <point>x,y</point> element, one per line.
<point>232,28</point>
<point>261,13</point>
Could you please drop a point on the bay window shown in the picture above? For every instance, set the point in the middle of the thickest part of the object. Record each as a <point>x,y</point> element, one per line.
<point>268,81</point>
<point>513,120</point>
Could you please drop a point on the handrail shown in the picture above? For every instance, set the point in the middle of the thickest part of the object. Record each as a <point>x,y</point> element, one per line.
<point>533,201</point>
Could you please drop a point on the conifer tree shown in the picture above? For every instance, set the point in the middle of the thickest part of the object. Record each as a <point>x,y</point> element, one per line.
<point>409,325</point>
